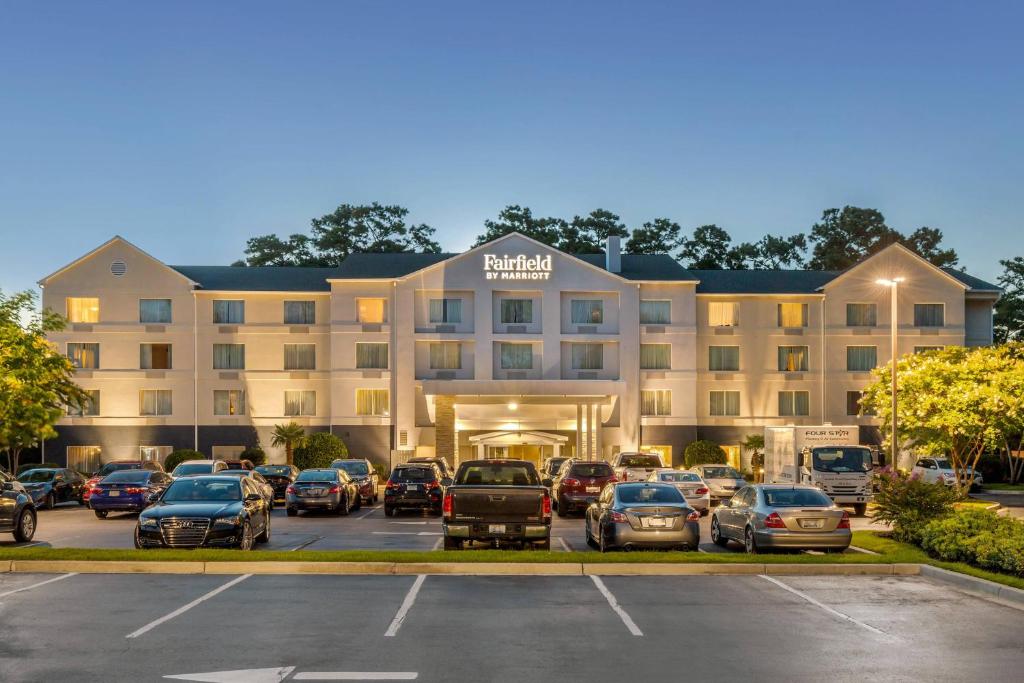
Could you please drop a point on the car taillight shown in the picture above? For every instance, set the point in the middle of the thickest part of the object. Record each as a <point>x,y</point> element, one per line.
<point>545,507</point>
<point>569,481</point>
<point>701,491</point>
<point>334,489</point>
<point>135,489</point>
<point>844,523</point>
<point>290,489</point>
<point>432,485</point>
<point>773,521</point>
<point>613,479</point>
<point>390,485</point>
<point>446,505</point>
<point>693,517</point>
<point>617,517</point>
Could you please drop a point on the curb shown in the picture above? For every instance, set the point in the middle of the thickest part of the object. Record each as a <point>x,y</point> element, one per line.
<point>490,568</point>
<point>976,586</point>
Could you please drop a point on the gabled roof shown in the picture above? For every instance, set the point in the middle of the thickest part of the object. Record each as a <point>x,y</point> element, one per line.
<point>798,281</point>
<point>363,266</point>
<point>113,240</point>
<point>974,284</point>
<point>259,278</point>
<point>648,267</point>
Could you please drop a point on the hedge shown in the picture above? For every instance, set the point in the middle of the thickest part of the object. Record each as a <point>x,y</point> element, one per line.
<point>255,455</point>
<point>978,537</point>
<point>319,449</point>
<point>704,453</point>
<point>180,456</point>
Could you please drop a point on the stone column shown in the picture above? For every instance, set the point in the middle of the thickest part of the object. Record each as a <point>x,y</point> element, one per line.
<point>444,427</point>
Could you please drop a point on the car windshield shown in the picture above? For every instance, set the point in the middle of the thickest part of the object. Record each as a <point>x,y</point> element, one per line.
<point>412,474</point>
<point>36,476</point>
<point>318,475</point>
<point>498,474</point>
<point>721,473</point>
<point>127,477</point>
<point>234,473</point>
<point>116,466</point>
<point>597,469</point>
<point>846,459</point>
<point>640,460</point>
<point>782,498</point>
<point>648,494</point>
<point>943,464</point>
<point>274,470</point>
<point>555,466</point>
<point>184,490</point>
<point>186,468</point>
<point>357,468</point>
<point>679,476</point>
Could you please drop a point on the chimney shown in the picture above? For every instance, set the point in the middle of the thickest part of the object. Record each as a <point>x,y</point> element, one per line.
<point>612,255</point>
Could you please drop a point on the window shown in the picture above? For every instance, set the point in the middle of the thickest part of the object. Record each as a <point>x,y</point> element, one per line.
<point>229,402</point>
<point>372,402</point>
<point>299,313</point>
<point>229,356</point>
<point>853,402</point>
<point>861,358</point>
<point>724,358</point>
<point>84,458</point>
<point>792,315</point>
<point>655,356</point>
<point>446,356</point>
<point>587,356</point>
<point>926,349</point>
<point>656,402</point>
<point>655,312</point>
<point>83,309</point>
<point>929,315</point>
<point>861,315</point>
<point>370,310</point>
<point>155,356</point>
<point>516,356</point>
<point>372,355</point>
<point>516,311</point>
<point>299,403</point>
<point>793,358</point>
<point>89,408</point>
<point>725,403</point>
<point>155,402</point>
<point>446,310</point>
<point>723,314</point>
<point>154,310</point>
<point>794,403</point>
<point>300,356</point>
<point>85,356</point>
<point>587,311</point>
<point>228,312</point>
<point>155,454</point>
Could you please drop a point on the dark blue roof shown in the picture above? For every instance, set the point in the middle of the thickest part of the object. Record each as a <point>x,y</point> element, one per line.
<point>259,278</point>
<point>794,281</point>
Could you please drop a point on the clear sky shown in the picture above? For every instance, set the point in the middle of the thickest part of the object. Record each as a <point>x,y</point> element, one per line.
<point>188,127</point>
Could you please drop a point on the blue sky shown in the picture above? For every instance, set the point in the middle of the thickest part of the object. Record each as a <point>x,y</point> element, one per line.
<point>188,127</point>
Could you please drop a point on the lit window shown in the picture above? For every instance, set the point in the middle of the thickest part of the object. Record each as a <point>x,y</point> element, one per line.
<point>155,356</point>
<point>657,402</point>
<point>370,310</point>
<point>723,358</point>
<point>723,314</point>
<point>725,403</point>
<point>372,355</point>
<point>155,311</point>
<point>655,312</point>
<point>792,315</point>
<point>655,356</point>
<point>794,403</point>
<point>84,355</point>
<point>793,358</point>
<point>229,402</point>
<point>84,458</point>
<point>372,402</point>
<point>299,313</point>
<point>83,309</point>
<point>297,403</point>
<point>155,402</point>
<point>300,356</point>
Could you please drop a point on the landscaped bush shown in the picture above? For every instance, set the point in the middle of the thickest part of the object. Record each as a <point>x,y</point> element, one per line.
<point>978,537</point>
<point>180,456</point>
<point>383,471</point>
<point>319,450</point>
<point>704,453</point>
<point>35,465</point>
<point>908,504</point>
<point>255,455</point>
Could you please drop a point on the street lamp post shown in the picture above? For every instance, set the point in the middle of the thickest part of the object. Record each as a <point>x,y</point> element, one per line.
<point>893,285</point>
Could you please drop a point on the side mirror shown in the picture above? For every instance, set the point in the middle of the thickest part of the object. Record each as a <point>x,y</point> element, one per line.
<point>546,481</point>
<point>154,497</point>
<point>800,460</point>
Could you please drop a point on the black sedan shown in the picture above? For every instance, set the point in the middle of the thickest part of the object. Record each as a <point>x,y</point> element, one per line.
<point>205,511</point>
<point>17,511</point>
<point>279,476</point>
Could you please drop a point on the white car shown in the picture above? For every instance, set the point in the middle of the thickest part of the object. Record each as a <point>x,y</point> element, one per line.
<point>939,471</point>
<point>693,488</point>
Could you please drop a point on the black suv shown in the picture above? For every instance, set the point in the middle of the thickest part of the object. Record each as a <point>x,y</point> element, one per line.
<point>415,485</point>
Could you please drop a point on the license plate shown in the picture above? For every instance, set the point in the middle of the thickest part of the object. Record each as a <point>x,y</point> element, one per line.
<point>496,528</point>
<point>812,523</point>
<point>656,521</point>
<point>114,494</point>
<point>412,487</point>
<point>314,492</point>
<point>593,489</point>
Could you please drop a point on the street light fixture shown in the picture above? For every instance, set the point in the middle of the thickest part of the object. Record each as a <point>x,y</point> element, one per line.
<point>893,285</point>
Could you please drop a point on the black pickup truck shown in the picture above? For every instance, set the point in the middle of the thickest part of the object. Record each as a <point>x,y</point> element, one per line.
<point>503,502</point>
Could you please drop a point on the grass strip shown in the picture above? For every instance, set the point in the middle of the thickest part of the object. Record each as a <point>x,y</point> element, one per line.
<point>1002,487</point>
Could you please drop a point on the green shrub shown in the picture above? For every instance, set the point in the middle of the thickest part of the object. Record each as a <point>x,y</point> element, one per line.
<point>25,467</point>
<point>319,450</point>
<point>255,455</point>
<point>908,504</point>
<point>180,456</point>
<point>977,537</point>
<point>704,453</point>
<point>383,471</point>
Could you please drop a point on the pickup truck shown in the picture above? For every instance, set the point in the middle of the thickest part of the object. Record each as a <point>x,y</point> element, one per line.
<point>502,502</point>
<point>635,466</point>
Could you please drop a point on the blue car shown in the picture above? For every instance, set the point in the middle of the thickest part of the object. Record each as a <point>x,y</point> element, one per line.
<point>49,486</point>
<point>127,491</point>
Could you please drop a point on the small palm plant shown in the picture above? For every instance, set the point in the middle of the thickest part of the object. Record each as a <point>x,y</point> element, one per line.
<point>289,436</point>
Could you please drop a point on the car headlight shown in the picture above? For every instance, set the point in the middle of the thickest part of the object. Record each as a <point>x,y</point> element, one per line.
<point>228,521</point>
<point>148,523</point>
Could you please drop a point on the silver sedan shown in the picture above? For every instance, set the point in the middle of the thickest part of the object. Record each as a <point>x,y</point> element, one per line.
<point>724,481</point>
<point>642,515</point>
<point>781,516</point>
<point>689,484</point>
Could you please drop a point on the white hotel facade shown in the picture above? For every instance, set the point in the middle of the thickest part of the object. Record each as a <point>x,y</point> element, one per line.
<point>509,349</point>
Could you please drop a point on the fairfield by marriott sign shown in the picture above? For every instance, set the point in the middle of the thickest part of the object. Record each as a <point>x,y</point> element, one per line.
<point>520,267</point>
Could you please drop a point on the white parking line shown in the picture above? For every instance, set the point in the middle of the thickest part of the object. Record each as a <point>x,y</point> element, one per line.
<point>835,613</point>
<point>407,604</point>
<point>565,546</point>
<point>437,544</point>
<point>367,513</point>
<point>614,604</point>
<point>37,585</point>
<point>356,676</point>
<point>181,610</point>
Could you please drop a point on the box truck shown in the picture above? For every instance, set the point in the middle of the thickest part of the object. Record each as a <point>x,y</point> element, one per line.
<point>826,456</point>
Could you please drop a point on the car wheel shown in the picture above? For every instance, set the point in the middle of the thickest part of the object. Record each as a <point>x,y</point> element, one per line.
<point>602,540</point>
<point>358,504</point>
<point>247,540</point>
<point>50,501</point>
<point>389,511</point>
<point>860,509</point>
<point>264,537</point>
<point>561,508</point>
<point>101,514</point>
<point>749,542</point>
<point>586,532</point>
<point>138,541</point>
<point>26,527</point>
<point>343,505</point>
<point>291,512</point>
<point>716,534</point>
<point>452,543</point>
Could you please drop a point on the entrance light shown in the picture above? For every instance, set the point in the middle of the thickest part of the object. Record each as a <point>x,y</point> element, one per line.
<point>512,405</point>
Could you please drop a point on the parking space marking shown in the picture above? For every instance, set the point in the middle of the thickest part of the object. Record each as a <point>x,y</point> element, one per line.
<point>833,612</point>
<point>614,604</point>
<point>181,610</point>
<point>37,585</point>
<point>407,604</point>
<point>367,513</point>
<point>565,546</point>
<point>437,543</point>
<point>306,543</point>
<point>356,676</point>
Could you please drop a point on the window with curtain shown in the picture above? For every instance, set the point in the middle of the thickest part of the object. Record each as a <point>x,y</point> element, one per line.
<point>372,402</point>
<point>83,309</point>
<point>587,356</point>
<point>794,403</point>
<point>792,315</point>
<point>793,358</point>
<point>370,310</point>
<point>229,402</point>
<point>655,356</point>
<point>228,312</point>
<point>446,310</point>
<point>372,355</point>
<point>84,355</point>
<point>155,356</point>
<point>656,402</point>
<point>300,356</point>
<point>299,312</point>
<point>155,311</point>
<point>446,356</point>
<point>297,403</point>
<point>861,358</point>
<point>516,356</point>
<point>724,358</point>
<point>229,356</point>
<point>861,315</point>
<point>723,313</point>
<point>587,311</point>
<point>155,402</point>
<point>929,315</point>
<point>84,458</point>
<point>853,402</point>
<point>725,403</point>
<point>90,407</point>
<point>655,312</point>
<point>516,311</point>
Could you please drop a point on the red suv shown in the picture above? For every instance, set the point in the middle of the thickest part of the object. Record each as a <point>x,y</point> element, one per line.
<point>579,483</point>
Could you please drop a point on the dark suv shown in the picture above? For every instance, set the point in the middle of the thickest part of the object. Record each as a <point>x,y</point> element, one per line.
<point>579,483</point>
<point>17,511</point>
<point>420,486</point>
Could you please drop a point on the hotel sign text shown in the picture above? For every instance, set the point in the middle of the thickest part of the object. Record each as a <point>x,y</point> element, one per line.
<point>519,267</point>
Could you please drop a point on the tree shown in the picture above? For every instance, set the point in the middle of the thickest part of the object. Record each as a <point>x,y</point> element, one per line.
<point>319,449</point>
<point>755,444</point>
<point>660,236</point>
<point>925,242</point>
<point>255,455</point>
<point>704,453</point>
<point>271,250</point>
<point>515,218</point>
<point>1009,315</point>
<point>182,455</point>
<point>587,234</point>
<point>287,436</point>
<point>37,382</point>
<point>775,253</point>
<point>707,249</point>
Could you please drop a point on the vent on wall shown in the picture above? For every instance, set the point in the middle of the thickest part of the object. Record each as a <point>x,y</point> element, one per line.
<point>118,267</point>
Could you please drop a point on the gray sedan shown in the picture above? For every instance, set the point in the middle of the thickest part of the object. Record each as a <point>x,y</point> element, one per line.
<point>781,516</point>
<point>642,515</point>
<point>724,481</point>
